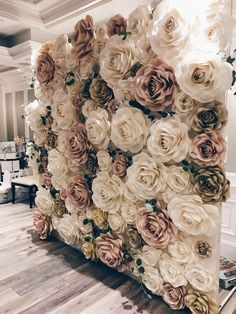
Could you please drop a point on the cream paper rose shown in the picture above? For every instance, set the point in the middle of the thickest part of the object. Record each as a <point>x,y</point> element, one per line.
<point>129,129</point>
<point>86,67</point>
<point>138,21</point>
<point>204,77</point>
<point>98,128</point>
<point>172,271</point>
<point>107,192</point>
<point>88,107</point>
<point>44,201</point>
<point>184,105</point>
<point>116,59</point>
<point>168,140</point>
<point>68,229</point>
<point>152,279</point>
<point>33,113</point>
<point>200,279</point>
<point>182,250</point>
<point>146,177</point>
<point>144,52</point>
<point>84,225</point>
<point>59,51</point>
<point>57,165</point>
<point>178,183</point>
<point>63,112</point>
<point>104,160</point>
<point>123,90</point>
<point>129,211</point>
<point>170,32</point>
<point>192,216</point>
<point>150,256</point>
<point>116,222</point>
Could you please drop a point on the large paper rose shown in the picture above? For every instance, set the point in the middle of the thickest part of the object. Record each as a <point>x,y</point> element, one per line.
<point>170,32</point>
<point>57,165</point>
<point>157,230</point>
<point>116,222</point>
<point>200,303</point>
<point>178,183</point>
<point>100,92</point>
<point>182,250</point>
<point>172,271</point>
<point>204,78</point>
<point>77,146</point>
<point>129,211</point>
<point>150,256</point>
<point>168,140</point>
<point>200,279</point>
<point>78,194</point>
<point>68,229</point>
<point>155,85</point>
<point>146,177</point>
<point>110,250</point>
<point>42,224</point>
<point>88,107</point>
<point>152,279</point>
<point>211,184</point>
<point>98,128</point>
<point>83,37</point>
<point>33,115</point>
<point>63,111</point>
<point>116,25</point>
<point>107,192</point>
<point>208,149</point>
<point>116,59</point>
<point>209,117</point>
<point>129,129</point>
<point>192,216</point>
<point>185,106</point>
<point>174,297</point>
<point>138,21</point>
<point>124,90</point>
<point>44,201</point>
<point>45,69</point>
<point>104,160</point>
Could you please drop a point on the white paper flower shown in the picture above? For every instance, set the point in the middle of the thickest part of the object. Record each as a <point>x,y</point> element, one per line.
<point>116,59</point>
<point>200,279</point>
<point>107,192</point>
<point>123,90</point>
<point>129,211</point>
<point>150,256</point>
<point>144,52</point>
<point>129,129</point>
<point>168,140</point>
<point>68,229</point>
<point>104,160</point>
<point>63,111</point>
<point>185,106</point>
<point>116,222</point>
<point>98,128</point>
<point>44,201</point>
<point>178,183</point>
<point>138,21</point>
<point>152,279</point>
<point>192,216</point>
<point>146,177</point>
<point>204,77</point>
<point>182,250</point>
<point>33,113</point>
<point>172,271</point>
<point>57,166</point>
<point>59,50</point>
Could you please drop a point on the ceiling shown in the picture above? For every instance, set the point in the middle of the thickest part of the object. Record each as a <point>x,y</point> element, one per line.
<point>25,24</point>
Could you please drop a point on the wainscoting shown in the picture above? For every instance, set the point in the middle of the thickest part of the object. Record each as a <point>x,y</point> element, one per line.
<point>228,225</point>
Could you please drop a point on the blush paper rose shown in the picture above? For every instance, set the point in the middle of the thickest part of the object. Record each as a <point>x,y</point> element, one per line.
<point>174,297</point>
<point>110,250</point>
<point>45,69</point>
<point>157,230</point>
<point>42,224</point>
<point>83,38</point>
<point>208,149</point>
<point>155,85</point>
<point>116,25</point>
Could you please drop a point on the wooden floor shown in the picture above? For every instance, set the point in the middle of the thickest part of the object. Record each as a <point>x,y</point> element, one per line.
<point>49,277</point>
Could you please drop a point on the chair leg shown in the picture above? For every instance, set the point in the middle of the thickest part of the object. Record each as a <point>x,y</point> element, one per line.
<point>31,196</point>
<point>13,189</point>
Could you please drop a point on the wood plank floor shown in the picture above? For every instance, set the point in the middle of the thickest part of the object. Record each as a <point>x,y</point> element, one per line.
<point>50,277</point>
